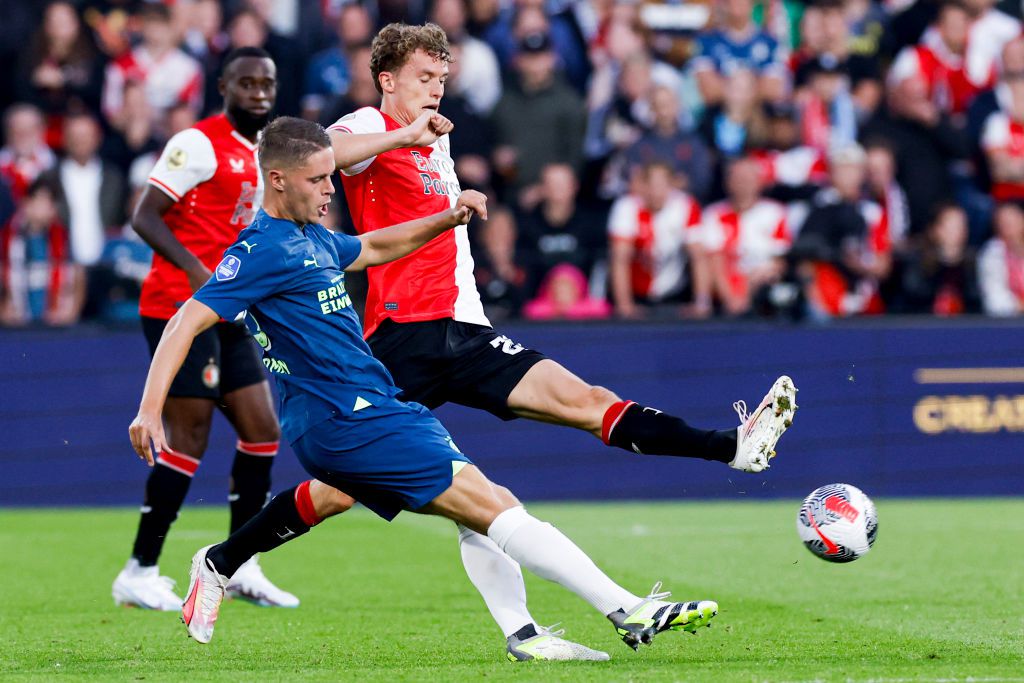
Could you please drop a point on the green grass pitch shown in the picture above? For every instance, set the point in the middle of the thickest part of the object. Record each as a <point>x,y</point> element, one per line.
<point>939,598</point>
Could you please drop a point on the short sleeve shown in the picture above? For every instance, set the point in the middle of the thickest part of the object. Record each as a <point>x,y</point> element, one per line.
<point>622,220</point>
<point>187,160</point>
<point>996,134</point>
<point>711,232</point>
<point>348,247</point>
<point>246,275</point>
<point>363,121</point>
<point>906,65</point>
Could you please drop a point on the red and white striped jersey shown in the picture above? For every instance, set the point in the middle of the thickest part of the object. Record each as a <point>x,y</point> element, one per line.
<point>172,79</point>
<point>801,165</point>
<point>1003,134</point>
<point>659,239</point>
<point>986,37</point>
<point>944,75</point>
<point>747,240</point>
<point>436,281</point>
<point>211,173</point>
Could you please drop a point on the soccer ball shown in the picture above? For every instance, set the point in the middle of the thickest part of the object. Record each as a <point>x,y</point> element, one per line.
<point>837,523</point>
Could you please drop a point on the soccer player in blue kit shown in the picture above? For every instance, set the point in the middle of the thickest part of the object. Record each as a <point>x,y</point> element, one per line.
<point>339,406</point>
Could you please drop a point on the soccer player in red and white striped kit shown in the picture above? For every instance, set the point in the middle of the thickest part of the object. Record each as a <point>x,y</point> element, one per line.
<point>424,321</point>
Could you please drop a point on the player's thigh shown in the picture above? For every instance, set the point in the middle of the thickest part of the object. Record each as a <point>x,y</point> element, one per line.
<point>550,393</point>
<point>471,500</point>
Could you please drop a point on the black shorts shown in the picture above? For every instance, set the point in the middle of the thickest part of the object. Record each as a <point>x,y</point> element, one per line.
<point>438,361</point>
<point>222,359</point>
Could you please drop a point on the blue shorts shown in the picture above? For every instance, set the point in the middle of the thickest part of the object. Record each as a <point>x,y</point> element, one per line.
<point>390,457</point>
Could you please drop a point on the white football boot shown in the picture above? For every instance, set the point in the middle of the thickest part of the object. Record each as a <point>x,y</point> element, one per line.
<point>250,584</point>
<point>760,430</point>
<point>548,645</point>
<point>205,594</point>
<point>143,587</point>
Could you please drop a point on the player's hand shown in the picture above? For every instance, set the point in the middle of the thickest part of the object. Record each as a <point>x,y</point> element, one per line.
<point>147,435</point>
<point>198,276</point>
<point>426,129</point>
<point>470,202</point>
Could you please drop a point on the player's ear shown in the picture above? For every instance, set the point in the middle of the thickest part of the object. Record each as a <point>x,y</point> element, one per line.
<point>387,81</point>
<point>275,179</point>
<point>221,86</point>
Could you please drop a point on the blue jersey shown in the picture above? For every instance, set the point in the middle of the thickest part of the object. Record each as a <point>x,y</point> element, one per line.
<point>724,53</point>
<point>290,281</point>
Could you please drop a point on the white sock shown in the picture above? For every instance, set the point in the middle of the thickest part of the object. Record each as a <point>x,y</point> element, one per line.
<point>549,554</point>
<point>498,578</point>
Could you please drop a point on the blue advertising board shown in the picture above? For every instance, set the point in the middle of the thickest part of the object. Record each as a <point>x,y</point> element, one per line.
<point>899,408</point>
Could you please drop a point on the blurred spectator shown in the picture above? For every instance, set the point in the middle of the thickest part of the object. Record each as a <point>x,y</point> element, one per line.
<point>564,296</point>
<point>207,41</point>
<point>988,31</point>
<point>528,17</point>
<point>940,274</point>
<point>248,28</point>
<point>61,70</point>
<point>362,91</point>
<point>1010,67</point>
<point>746,237</point>
<point>790,170</point>
<point>499,276</point>
<point>6,202</point>
<point>842,250</point>
<point>738,122</point>
<point>654,232</point>
<point>1002,140</point>
<point>830,42</point>
<point>938,62</point>
<point>925,144</point>
<point>539,120</point>
<point>111,22</point>
<point>868,24</point>
<point>25,154</point>
<point>168,75</point>
<point>92,192</point>
<point>1001,264</point>
<point>883,189</point>
<point>133,132</point>
<point>828,117</point>
<point>479,81</point>
<point>558,230</point>
<point>666,141</point>
<point>329,73</point>
<point>38,280</point>
<point>738,45</point>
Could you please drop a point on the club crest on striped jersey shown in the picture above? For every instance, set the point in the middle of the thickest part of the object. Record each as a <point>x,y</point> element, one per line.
<point>228,268</point>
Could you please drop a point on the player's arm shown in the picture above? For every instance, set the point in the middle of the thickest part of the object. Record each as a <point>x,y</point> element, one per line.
<point>351,149</point>
<point>148,222</point>
<point>191,319</point>
<point>392,243</point>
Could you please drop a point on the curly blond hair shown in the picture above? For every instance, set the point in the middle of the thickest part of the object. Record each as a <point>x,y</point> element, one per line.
<point>395,43</point>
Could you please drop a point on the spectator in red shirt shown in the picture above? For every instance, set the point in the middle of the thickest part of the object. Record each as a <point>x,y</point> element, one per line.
<point>25,155</point>
<point>1001,264</point>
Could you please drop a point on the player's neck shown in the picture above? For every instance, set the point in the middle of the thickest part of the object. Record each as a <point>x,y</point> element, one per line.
<point>389,108</point>
<point>249,135</point>
<point>278,210</point>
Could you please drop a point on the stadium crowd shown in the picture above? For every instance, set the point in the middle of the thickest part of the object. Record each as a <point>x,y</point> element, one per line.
<point>642,159</point>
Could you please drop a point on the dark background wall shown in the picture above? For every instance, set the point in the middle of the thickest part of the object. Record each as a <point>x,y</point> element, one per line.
<point>871,413</point>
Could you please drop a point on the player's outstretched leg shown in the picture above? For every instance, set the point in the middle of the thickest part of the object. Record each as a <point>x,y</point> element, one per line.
<point>548,553</point>
<point>550,393</point>
<point>653,615</point>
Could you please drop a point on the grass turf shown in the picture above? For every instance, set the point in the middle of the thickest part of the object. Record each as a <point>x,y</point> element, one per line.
<point>939,598</point>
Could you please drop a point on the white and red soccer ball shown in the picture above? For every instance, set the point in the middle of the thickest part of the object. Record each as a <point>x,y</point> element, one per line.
<point>837,523</point>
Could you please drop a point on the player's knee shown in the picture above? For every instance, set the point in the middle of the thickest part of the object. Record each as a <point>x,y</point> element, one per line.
<point>263,433</point>
<point>506,499</point>
<point>599,398</point>
<point>190,438</point>
<point>329,501</point>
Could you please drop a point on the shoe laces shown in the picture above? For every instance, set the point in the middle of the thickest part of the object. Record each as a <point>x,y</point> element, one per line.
<point>552,630</point>
<point>741,409</point>
<point>654,594</point>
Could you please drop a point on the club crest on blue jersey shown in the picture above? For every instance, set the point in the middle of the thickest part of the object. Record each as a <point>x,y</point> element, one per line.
<point>228,268</point>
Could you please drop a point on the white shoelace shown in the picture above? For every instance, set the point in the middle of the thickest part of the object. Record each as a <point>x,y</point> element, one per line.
<point>654,594</point>
<point>551,630</point>
<point>741,409</point>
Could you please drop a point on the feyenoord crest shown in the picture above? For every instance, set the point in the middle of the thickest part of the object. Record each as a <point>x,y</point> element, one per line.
<point>211,375</point>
